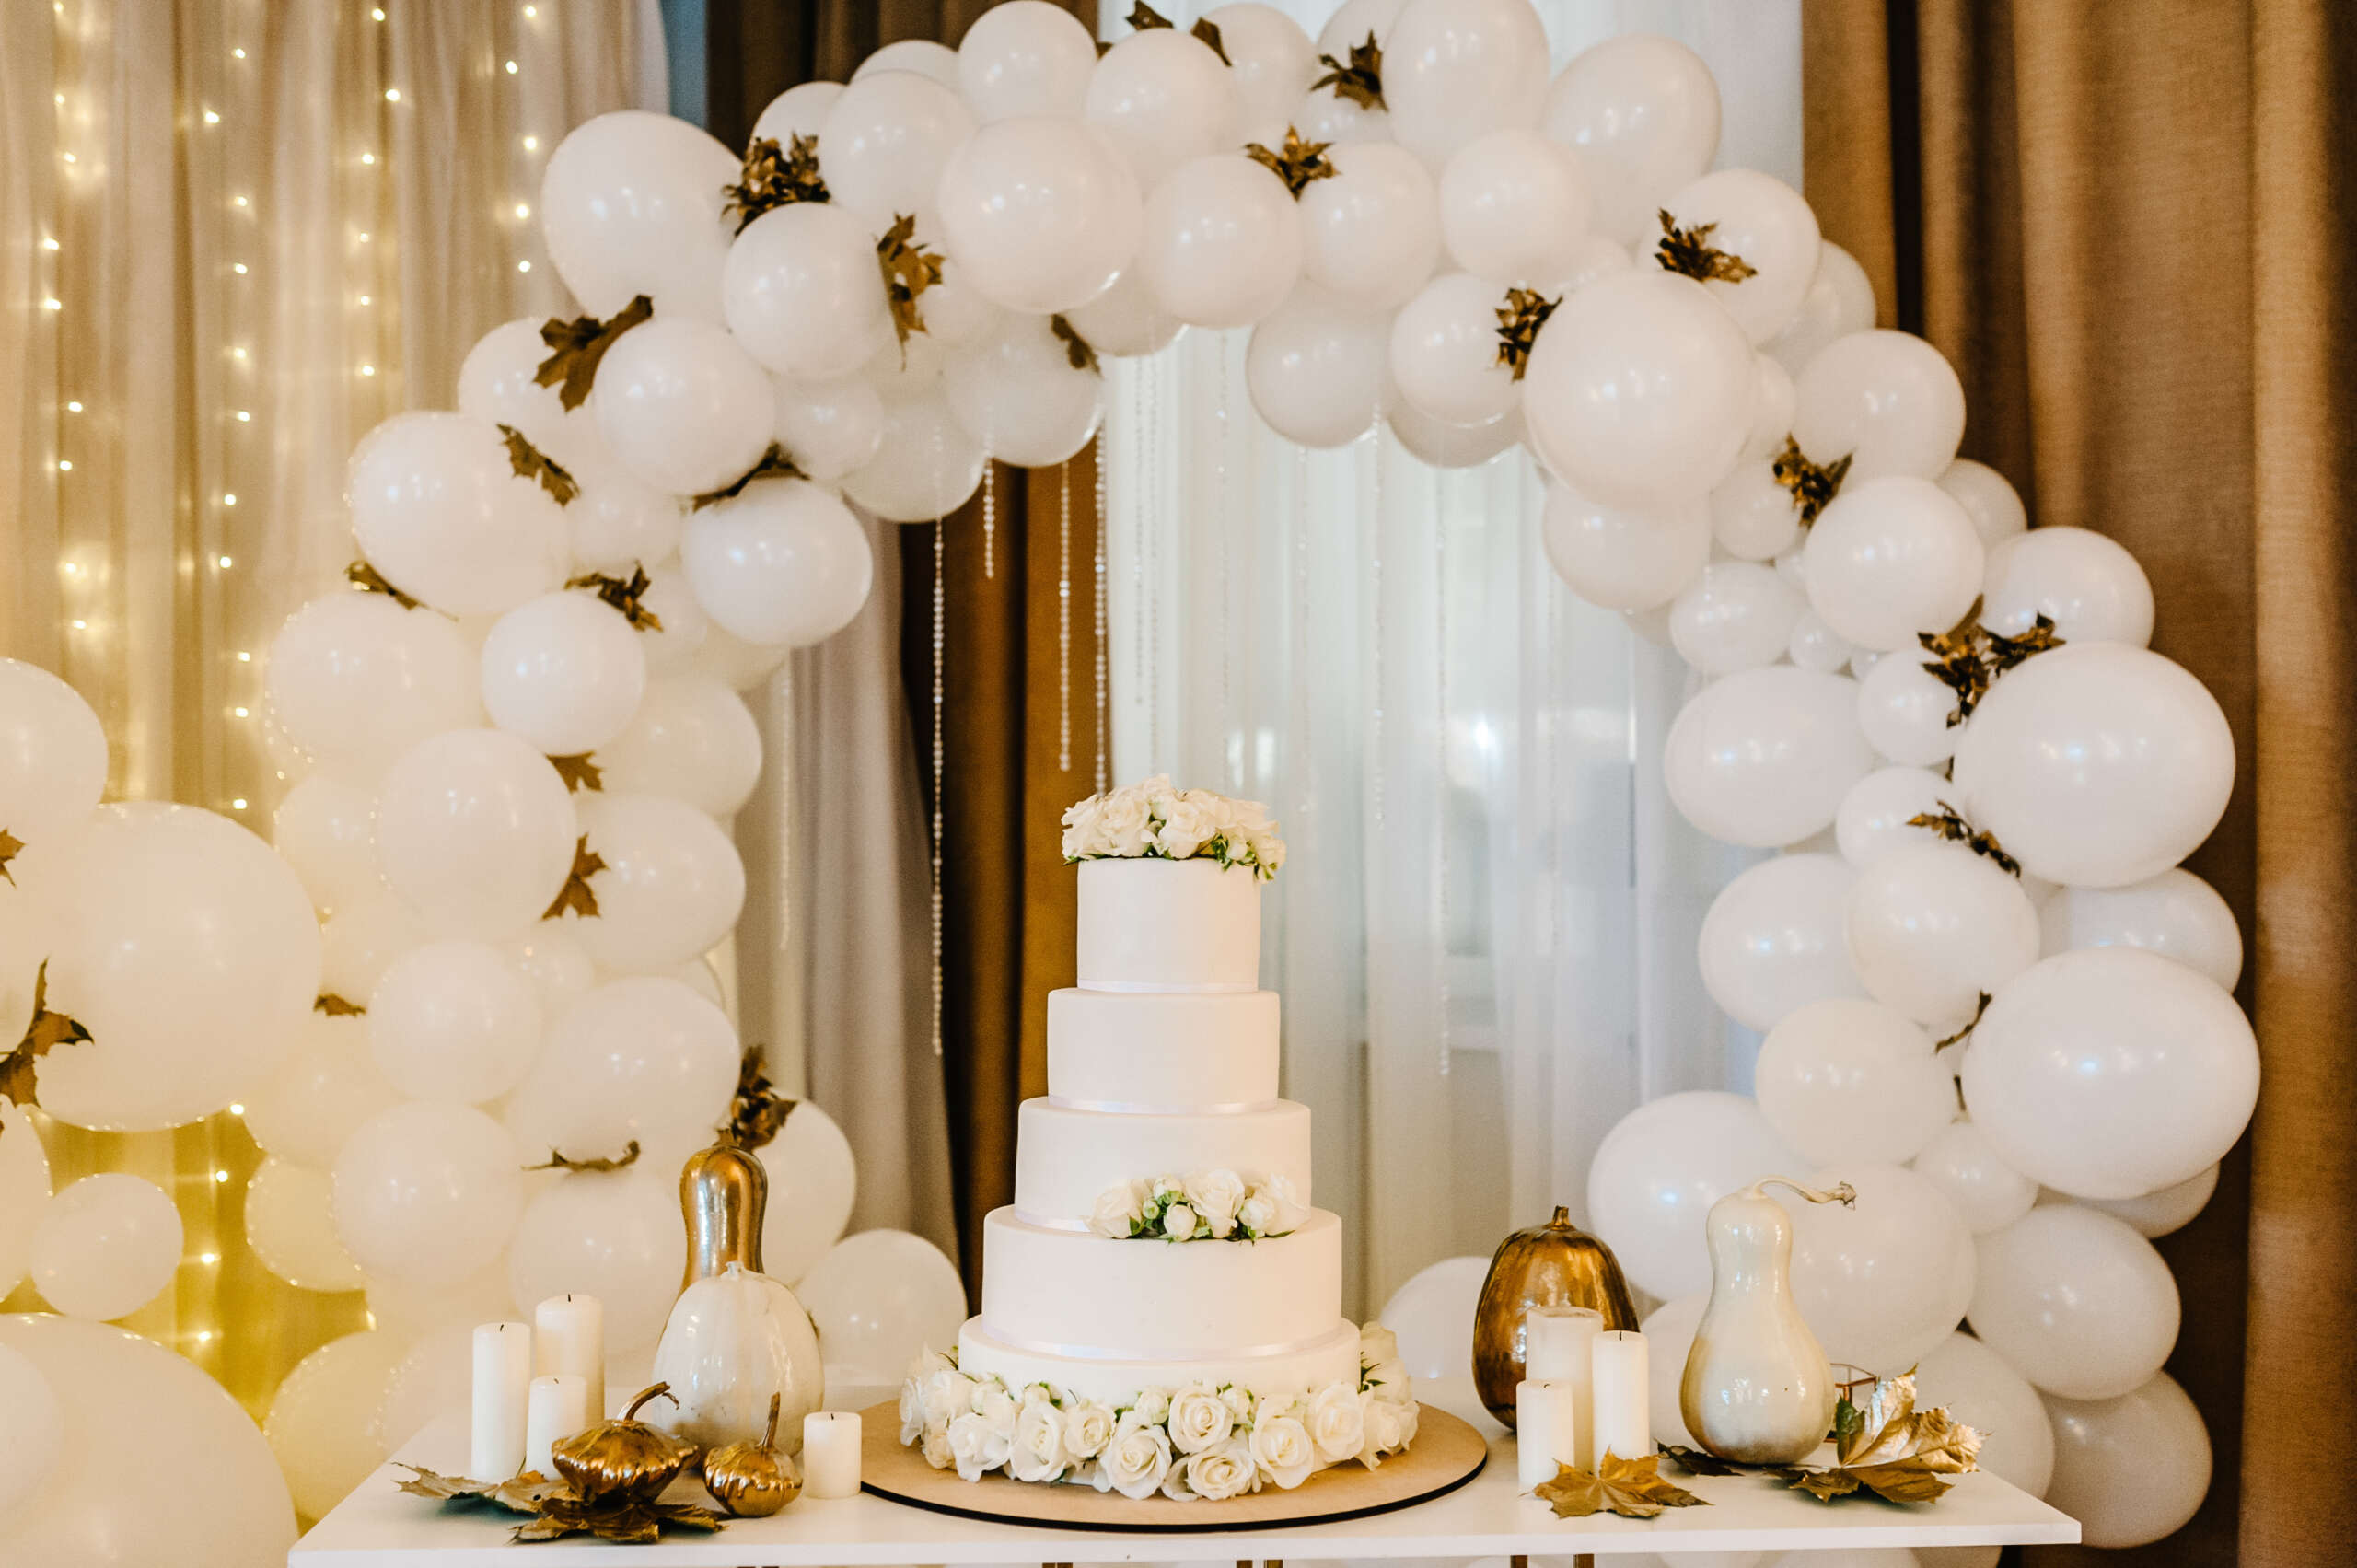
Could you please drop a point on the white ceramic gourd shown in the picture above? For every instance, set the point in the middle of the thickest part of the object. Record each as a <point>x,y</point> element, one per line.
<point>1757,1387</point>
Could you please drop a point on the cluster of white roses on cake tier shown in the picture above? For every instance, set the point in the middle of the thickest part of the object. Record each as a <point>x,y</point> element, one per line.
<point>1213,1205</point>
<point>1198,1441</point>
<point>1151,821</point>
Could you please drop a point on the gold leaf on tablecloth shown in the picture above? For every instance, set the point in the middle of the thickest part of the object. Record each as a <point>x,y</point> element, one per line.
<point>1631,1488</point>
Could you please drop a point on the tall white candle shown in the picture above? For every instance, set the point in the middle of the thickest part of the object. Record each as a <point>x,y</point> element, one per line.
<point>558,1407</point>
<point>569,1335</point>
<point>830,1454</point>
<point>1557,1347</point>
<point>503,1374</point>
<point>1543,1433</point>
<point>1622,1399</point>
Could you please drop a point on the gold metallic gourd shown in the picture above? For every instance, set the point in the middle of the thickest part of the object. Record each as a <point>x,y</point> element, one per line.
<point>753,1478</point>
<point>1555,1264</point>
<point>625,1458</point>
<point>1757,1387</point>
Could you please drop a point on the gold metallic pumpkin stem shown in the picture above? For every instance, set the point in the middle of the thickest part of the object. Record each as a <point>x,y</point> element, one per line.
<point>645,1394</point>
<point>769,1436</point>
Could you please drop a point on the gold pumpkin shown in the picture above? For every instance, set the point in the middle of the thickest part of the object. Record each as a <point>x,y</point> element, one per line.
<point>625,1458</point>
<point>1555,1264</point>
<point>754,1479</point>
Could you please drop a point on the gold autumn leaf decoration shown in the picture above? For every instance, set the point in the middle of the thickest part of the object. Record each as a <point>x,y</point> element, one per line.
<point>1883,1447</point>
<point>1967,656</point>
<point>1950,824</point>
<point>10,847</point>
<point>334,1007</point>
<point>559,1160</point>
<point>774,464</point>
<point>367,579</point>
<point>1297,164</point>
<point>554,1510</point>
<point>530,462</point>
<point>1631,1488</point>
<point>576,346</point>
<point>775,176</point>
<point>578,772</point>
<point>758,1112</point>
<point>521,1493</point>
<point>1144,16</point>
<point>1979,1009</point>
<point>1519,319</point>
<point>1360,80</point>
<point>625,595</point>
<point>1078,351</point>
<point>576,897</point>
<point>1813,485</point>
<point>1689,252</point>
<point>44,1033</point>
<point>2004,652</point>
<point>909,270</point>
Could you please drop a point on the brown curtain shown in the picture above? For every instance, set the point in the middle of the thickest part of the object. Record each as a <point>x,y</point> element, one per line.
<point>2126,225</point>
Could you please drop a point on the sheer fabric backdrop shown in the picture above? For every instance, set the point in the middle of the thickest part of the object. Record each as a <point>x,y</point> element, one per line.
<point>1485,934</point>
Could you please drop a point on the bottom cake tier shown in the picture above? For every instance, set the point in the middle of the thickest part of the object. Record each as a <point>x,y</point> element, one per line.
<point>1117,1381</point>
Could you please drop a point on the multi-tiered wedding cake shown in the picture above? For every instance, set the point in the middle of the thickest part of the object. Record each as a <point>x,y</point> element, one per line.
<point>1161,1308</point>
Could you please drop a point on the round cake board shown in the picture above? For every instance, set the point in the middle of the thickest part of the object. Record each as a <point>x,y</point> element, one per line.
<point>1446,1455</point>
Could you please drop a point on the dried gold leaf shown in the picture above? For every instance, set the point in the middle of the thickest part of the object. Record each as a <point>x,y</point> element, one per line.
<point>1889,1449</point>
<point>10,847</point>
<point>1813,485</point>
<point>530,462</point>
<point>1950,824</point>
<point>1688,251</point>
<point>1519,319</point>
<point>2004,653</point>
<point>559,1160</point>
<point>1631,1488</point>
<point>1966,658</point>
<point>1299,163</point>
<point>1077,349</point>
<point>335,1007</point>
<point>367,579</point>
<point>775,176</point>
<point>1824,1485</point>
<point>624,593</point>
<point>1965,1033</point>
<point>578,772</point>
<point>774,464</point>
<point>1142,15</point>
<point>1698,1461</point>
<point>525,1494</point>
<point>576,897</point>
<point>1206,31</point>
<point>1361,80</point>
<point>44,1032</point>
<point>758,1112</point>
<point>909,270</point>
<point>576,346</point>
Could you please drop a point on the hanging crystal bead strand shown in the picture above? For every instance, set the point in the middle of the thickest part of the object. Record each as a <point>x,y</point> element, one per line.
<point>989,514</point>
<point>940,753</point>
<point>1440,771</point>
<point>1104,692</point>
<point>1063,616</point>
<point>1375,660</point>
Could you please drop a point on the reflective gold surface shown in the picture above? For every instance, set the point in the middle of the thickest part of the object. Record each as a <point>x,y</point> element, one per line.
<point>623,1458</point>
<point>1555,1264</point>
<point>753,1478</point>
<point>724,1194</point>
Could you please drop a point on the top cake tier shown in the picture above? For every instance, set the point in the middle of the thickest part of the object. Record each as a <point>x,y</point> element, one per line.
<point>1184,925</point>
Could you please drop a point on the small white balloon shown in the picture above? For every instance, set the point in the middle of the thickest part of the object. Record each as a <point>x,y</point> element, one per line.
<point>1974,1384</point>
<point>1513,207</point>
<point>829,428</point>
<point>1431,1314</point>
<point>879,1300</point>
<point>2089,586</point>
<point>884,143</point>
<point>1736,615</point>
<point>1753,516</point>
<point>31,1440</point>
<point>1890,559</point>
<point>1221,247</point>
<point>1271,62</point>
<point>1848,1078</point>
<point>2175,914</point>
<point>2158,1214</point>
<point>290,1225</point>
<point>1669,1332</point>
<point>800,110</point>
<point>1316,368</point>
<point>1042,214</point>
<point>105,1245</point>
<point>927,58</point>
<point>692,739</point>
<point>784,561</point>
<point>1889,401</point>
<point>1877,815</point>
<point>1643,111</point>
<point>1624,558</point>
<point>1456,70</point>
<point>1764,758</point>
<point>1357,21</point>
<point>1659,1170</point>
<point>1771,413</point>
<point>476,832</point>
<point>813,1181</point>
<point>359,942</point>
<point>1444,352</point>
<point>321,1094</point>
<point>1370,233</point>
<point>437,508</point>
<point>326,829</point>
<point>614,1236</point>
<point>1127,319</point>
<point>631,203</point>
<point>1987,498</point>
<point>559,966</point>
<point>1933,927</point>
<point>356,679</point>
<point>1885,1281</point>
<point>454,1020</point>
<point>671,647</point>
<point>1839,301</point>
<point>1024,57</point>
<point>618,521</point>
<point>1440,446</point>
<point>2131,1469</point>
<point>1764,222</point>
<point>322,1419</point>
<point>1772,941</point>
<point>1815,645</point>
<point>1162,98</point>
<point>563,672</point>
<point>53,753</point>
<point>681,406</point>
<point>1907,712</point>
<point>1988,1193</point>
<point>671,887</point>
<point>428,1191</point>
<point>642,1058</point>
<point>803,293</point>
<point>24,1190</point>
<point>738,665</point>
<point>1020,395</point>
<point>2075,1301</point>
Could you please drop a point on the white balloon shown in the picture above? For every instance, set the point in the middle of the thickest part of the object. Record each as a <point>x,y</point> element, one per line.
<point>563,672</point>
<point>1839,301</point>
<point>671,887</point>
<point>672,647</point>
<point>2158,1214</point>
<point>735,664</point>
<point>290,1225</point>
<point>1753,516</point>
<point>1771,942</point>
<point>499,381</point>
<point>617,522</point>
<point>639,1058</point>
<point>1906,711</point>
<point>1771,413</point>
<point>2075,1301</point>
<point>1371,233</point>
<point>1316,368</point>
<point>1513,207</point>
<point>879,1300</point>
<point>1669,1339</point>
<point>1813,644</point>
<point>1885,1281</point>
<point>476,832</point>
<point>784,561</point>
<point>1041,214</point>
<point>2129,1469</point>
<point>614,1236</point>
<point>326,829</point>
<point>1987,498</point>
<point>813,1181</point>
<point>2175,914</point>
<point>320,1097</point>
<point>24,1191</point>
<point>412,1310</point>
<point>1022,397</point>
<point>1455,70</point>
<point>830,427</point>
<point>1876,815</point>
<point>1847,1079</point>
<point>936,61</point>
<point>1221,247</point>
<point>359,942</point>
<point>1661,1167</point>
<point>438,509</point>
<point>1623,558</point>
<point>428,1191</point>
<point>692,739</point>
<point>1976,1386</point>
<point>884,142</point>
<point>1271,62</point>
<point>1324,116</point>
<point>1357,21</point>
<point>1127,319</point>
<point>1643,111</point>
<point>434,1377</point>
<point>2096,765</point>
<point>800,111</point>
<point>1736,615</point>
<point>1988,1193</point>
<point>1887,400</point>
<point>30,1439</point>
<point>455,1021</point>
<point>1891,558</point>
<point>1762,220</point>
<point>105,1245</point>
<point>1162,98</point>
<point>1445,353</point>
<point>322,1421</point>
<point>1024,57</point>
<point>1433,1316</point>
<point>53,753</point>
<point>802,291</point>
<point>631,203</point>
<point>681,407</point>
<point>902,370</point>
<point>2089,586</point>
<point>1440,446</point>
<point>1640,388</point>
<point>2112,1071</point>
<point>559,966</point>
<point>1932,926</point>
<point>1763,758</point>
<point>356,679</point>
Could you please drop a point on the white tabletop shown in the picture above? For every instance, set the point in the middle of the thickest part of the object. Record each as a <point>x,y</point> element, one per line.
<point>379,1527</point>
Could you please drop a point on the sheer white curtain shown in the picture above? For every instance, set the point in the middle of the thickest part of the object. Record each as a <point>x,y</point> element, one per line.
<point>1485,934</point>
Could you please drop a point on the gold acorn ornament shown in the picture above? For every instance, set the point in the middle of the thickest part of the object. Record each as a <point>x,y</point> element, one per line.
<point>625,1458</point>
<point>1555,1264</point>
<point>753,1478</point>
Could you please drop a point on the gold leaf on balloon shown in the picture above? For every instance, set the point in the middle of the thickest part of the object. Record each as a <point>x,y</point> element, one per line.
<point>1205,31</point>
<point>335,1007</point>
<point>774,464</point>
<point>1965,1033</point>
<point>43,1033</point>
<point>1967,657</point>
<point>1688,251</point>
<point>559,1160</point>
<point>367,579</point>
<point>578,772</point>
<point>1361,80</point>
<point>1519,319</point>
<point>2004,653</point>
<point>576,346</point>
<point>626,595</point>
<point>1813,485</point>
<point>1631,1488</point>
<point>909,270</point>
<point>1299,163</point>
<point>775,176</point>
<point>758,1112</point>
<point>1950,824</point>
<point>530,462</point>
<point>1077,349</point>
<point>10,847</point>
<point>576,897</point>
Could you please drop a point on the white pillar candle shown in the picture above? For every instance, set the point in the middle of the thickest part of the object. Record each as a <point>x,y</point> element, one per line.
<point>1557,1347</point>
<point>558,1407</point>
<point>569,1335</point>
<point>830,1454</point>
<point>1621,1396</point>
<point>1543,1432</point>
<point>503,1374</point>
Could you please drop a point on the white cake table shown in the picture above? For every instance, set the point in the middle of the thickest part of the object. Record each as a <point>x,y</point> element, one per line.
<point>379,1527</point>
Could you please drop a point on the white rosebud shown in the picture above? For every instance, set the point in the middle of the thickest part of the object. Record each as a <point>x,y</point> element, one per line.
<point>1240,1401</point>
<point>1216,1195</point>
<point>1259,1214</point>
<point>1199,1419</point>
<point>1284,1449</point>
<point>1179,1223</point>
<point>949,1394</point>
<point>1152,1406</point>
<point>1387,1379</point>
<point>1335,1422</point>
<point>1225,1470</point>
<point>1088,1426</point>
<point>1377,1343</point>
<point>1081,831</point>
<point>1185,828</point>
<point>1381,1424</point>
<point>1137,1460</point>
<point>1123,826</point>
<point>1120,1211</point>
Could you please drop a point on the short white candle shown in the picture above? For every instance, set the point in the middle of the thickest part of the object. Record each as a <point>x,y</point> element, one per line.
<point>569,1335</point>
<point>1622,1396</point>
<point>830,1454</point>
<point>1543,1433</point>
<point>503,1374</point>
<point>1557,1347</point>
<point>558,1407</point>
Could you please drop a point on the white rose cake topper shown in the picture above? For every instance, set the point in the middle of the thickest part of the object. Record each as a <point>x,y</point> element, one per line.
<point>1154,821</point>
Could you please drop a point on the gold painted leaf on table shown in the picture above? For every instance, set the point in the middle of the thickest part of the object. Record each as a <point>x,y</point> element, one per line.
<point>576,897</point>
<point>524,1493</point>
<point>1360,80</point>
<point>624,1524</point>
<point>1631,1488</point>
<point>575,347</point>
<point>44,1032</point>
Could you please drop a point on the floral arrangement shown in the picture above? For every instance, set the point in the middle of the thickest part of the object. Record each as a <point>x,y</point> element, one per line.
<point>1198,1441</point>
<point>1213,1205</point>
<point>1154,821</point>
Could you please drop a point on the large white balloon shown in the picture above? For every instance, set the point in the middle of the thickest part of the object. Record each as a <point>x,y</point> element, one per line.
<point>1661,1167</point>
<point>1736,615</point>
<point>53,753</point>
<point>803,293</point>
<point>1877,815</point>
<point>1753,516</point>
<point>2175,914</point>
<point>326,829</point>
<point>2157,1213</point>
<point>24,1191</point>
<point>1042,214</point>
<point>499,381</point>
<point>1433,1316</point>
<point>693,740</point>
<point>828,427</point>
<point>322,1093</point>
<point>1444,352</point>
<point>1370,233</point>
<point>322,1419</point>
<point>428,1193</point>
<point>1024,57</point>
<point>1221,245</point>
<point>1316,368</point>
<point>1891,558</point>
<point>563,672</point>
<point>1126,320</point>
<point>434,1377</point>
<point>813,1181</point>
<point>2130,1470</point>
<point>2096,765</point>
<point>1764,758</point>
<point>2110,1072</point>
<point>884,142</point>
<point>357,680</point>
<point>1885,1281</point>
<point>454,1020</point>
<point>438,509</point>
<point>1907,712</point>
<point>1669,1339</point>
<point>559,966</point>
<point>2090,587</point>
<point>1848,1078</point>
<point>359,942</point>
<point>800,111</point>
<point>1271,64</point>
<point>1839,301</point>
<point>927,466</point>
<point>1622,557</point>
<point>1021,395</point>
<point>476,832</point>
<point>616,1237</point>
<point>671,887</point>
<point>1643,111</point>
<point>639,1057</point>
<point>1513,207</point>
<point>1771,942</point>
<point>29,1437</point>
<point>617,522</point>
<point>2075,1301</point>
<point>1763,221</point>
<point>290,1225</point>
<point>1989,498</point>
<point>1933,927</point>
<point>1162,98</point>
<point>631,203</point>
<point>1976,1386</point>
<point>1988,1193</point>
<point>1889,401</point>
<point>879,1300</point>
<point>186,948</point>
<point>681,406</point>
<point>106,1246</point>
<point>935,60</point>
<point>1355,21</point>
<point>784,561</point>
<point>1440,446</point>
<point>1640,388</point>
<point>1455,70</point>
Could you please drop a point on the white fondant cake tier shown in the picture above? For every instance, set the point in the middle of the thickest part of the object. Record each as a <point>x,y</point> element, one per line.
<point>1168,925</point>
<point>1068,1293</point>
<point>1335,1357</point>
<point>1064,1159</point>
<point>1162,1050</point>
